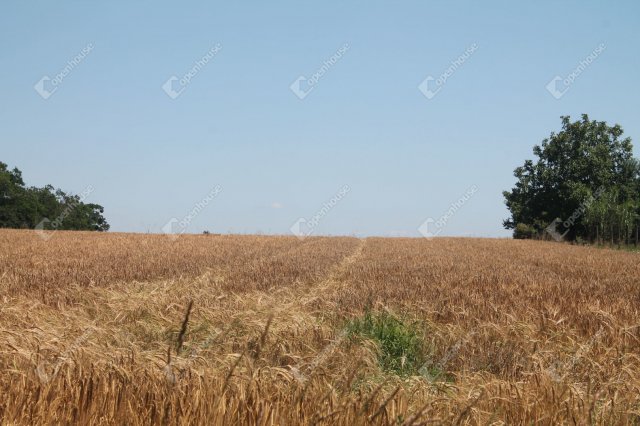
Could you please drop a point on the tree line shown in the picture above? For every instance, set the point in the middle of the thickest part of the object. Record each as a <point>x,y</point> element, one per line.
<point>584,186</point>
<point>45,208</point>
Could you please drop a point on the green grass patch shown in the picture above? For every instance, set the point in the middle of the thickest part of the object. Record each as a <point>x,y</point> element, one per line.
<point>401,344</point>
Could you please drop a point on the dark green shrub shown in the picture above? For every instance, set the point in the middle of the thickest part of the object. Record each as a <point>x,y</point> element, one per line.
<point>523,231</point>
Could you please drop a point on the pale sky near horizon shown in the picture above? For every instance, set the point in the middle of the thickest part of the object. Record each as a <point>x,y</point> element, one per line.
<point>152,149</point>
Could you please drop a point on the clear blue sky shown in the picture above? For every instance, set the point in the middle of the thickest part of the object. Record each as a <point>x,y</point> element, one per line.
<point>365,124</point>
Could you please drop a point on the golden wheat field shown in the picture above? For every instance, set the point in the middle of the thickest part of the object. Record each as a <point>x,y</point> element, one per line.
<point>108,328</point>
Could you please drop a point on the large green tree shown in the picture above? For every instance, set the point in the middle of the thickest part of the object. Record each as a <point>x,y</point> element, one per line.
<point>46,207</point>
<point>584,184</point>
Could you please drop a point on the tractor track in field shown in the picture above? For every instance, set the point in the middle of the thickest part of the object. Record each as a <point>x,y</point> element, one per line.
<point>334,278</point>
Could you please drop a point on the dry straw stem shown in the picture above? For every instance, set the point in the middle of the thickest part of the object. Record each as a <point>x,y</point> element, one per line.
<point>511,324</point>
<point>183,328</point>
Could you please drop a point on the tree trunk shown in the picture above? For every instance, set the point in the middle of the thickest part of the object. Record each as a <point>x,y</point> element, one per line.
<point>611,234</point>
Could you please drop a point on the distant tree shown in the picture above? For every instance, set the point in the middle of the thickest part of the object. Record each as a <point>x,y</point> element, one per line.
<point>585,184</point>
<point>12,194</point>
<point>26,207</point>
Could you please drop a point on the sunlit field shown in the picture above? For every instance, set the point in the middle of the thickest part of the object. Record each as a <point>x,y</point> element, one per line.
<point>108,328</point>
